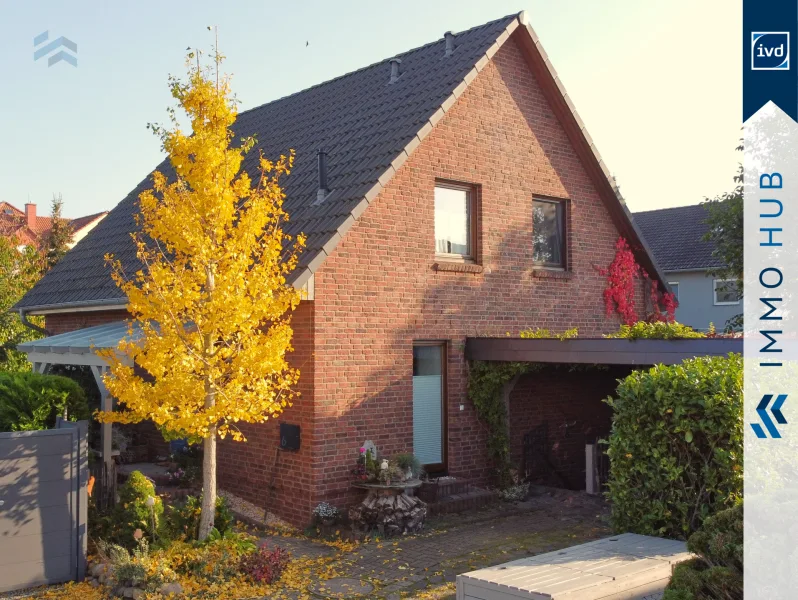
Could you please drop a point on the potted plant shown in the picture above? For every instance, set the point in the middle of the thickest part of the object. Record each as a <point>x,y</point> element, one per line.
<point>326,513</point>
<point>409,465</point>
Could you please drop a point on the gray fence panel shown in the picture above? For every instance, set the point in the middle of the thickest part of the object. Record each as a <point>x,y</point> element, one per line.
<point>43,506</point>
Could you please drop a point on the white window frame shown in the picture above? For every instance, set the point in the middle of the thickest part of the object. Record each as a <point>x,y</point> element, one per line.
<point>715,293</point>
<point>678,289</point>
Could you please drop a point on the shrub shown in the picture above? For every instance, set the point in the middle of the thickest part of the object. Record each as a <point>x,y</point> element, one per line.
<point>717,573</point>
<point>676,446</point>
<point>138,569</point>
<point>406,460</point>
<point>515,493</point>
<point>265,565</point>
<point>132,512</point>
<point>215,560</point>
<point>183,520</point>
<point>31,401</point>
<point>658,330</point>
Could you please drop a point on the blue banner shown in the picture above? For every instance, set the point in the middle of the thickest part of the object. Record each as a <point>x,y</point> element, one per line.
<point>770,71</point>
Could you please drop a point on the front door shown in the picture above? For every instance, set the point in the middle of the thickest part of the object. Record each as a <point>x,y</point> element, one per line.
<point>429,405</point>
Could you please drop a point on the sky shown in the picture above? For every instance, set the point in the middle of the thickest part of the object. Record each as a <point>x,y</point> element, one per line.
<point>658,84</point>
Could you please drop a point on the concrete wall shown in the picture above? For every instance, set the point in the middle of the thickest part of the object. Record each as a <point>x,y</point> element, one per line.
<point>697,301</point>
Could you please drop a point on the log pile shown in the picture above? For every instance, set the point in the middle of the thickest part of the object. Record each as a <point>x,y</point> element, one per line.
<point>389,514</point>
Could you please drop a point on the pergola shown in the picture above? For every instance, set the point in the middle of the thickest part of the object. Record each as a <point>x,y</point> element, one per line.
<point>80,348</point>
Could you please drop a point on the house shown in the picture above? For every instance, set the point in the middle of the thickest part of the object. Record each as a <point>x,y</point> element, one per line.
<point>419,218</point>
<point>676,238</point>
<point>29,229</point>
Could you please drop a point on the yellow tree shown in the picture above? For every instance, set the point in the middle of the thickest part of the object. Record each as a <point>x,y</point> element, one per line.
<point>211,299</point>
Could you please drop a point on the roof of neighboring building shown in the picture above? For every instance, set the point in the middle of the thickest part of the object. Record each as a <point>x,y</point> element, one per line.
<point>13,223</point>
<point>676,237</point>
<point>368,127</point>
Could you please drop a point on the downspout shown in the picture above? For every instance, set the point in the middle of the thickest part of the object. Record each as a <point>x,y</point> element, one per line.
<point>24,318</point>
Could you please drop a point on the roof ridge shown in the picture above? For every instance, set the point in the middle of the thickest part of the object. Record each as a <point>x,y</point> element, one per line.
<point>668,208</point>
<point>374,64</point>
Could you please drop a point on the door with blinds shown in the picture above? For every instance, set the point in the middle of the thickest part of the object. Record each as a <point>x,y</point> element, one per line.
<point>429,405</point>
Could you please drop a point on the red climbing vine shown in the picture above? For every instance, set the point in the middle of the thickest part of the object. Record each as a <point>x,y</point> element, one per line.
<point>622,275</point>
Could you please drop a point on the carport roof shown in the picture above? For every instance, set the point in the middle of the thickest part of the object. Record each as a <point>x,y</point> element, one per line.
<point>79,347</point>
<point>598,351</point>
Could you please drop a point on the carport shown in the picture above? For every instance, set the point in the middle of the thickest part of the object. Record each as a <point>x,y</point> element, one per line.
<point>81,348</point>
<point>556,415</point>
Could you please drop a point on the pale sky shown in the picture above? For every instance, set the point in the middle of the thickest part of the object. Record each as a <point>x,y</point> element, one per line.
<point>658,84</point>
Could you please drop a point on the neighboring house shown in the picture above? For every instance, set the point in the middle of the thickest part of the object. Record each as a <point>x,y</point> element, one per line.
<point>439,162</point>
<point>29,229</point>
<point>676,238</point>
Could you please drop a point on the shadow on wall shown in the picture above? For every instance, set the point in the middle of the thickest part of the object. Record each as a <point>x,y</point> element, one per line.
<point>38,531</point>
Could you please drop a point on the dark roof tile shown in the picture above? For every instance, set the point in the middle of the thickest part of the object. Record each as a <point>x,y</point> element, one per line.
<point>675,237</point>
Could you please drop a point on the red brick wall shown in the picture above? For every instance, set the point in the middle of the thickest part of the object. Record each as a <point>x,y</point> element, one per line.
<point>63,322</point>
<point>248,468</point>
<point>378,291</point>
<point>284,487</point>
<point>556,397</point>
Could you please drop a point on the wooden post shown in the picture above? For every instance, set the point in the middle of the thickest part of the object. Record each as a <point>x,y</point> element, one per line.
<point>106,403</point>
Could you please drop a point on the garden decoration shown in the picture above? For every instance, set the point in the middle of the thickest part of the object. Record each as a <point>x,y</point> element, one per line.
<point>388,507</point>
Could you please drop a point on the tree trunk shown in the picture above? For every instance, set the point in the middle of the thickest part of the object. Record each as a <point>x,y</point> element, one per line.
<point>208,485</point>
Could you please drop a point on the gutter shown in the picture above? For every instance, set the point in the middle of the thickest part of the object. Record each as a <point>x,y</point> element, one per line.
<point>24,318</point>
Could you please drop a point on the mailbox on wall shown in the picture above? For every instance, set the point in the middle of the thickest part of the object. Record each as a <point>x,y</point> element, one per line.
<point>289,436</point>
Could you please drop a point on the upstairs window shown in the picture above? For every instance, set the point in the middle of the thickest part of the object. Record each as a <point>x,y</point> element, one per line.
<point>548,233</point>
<point>675,289</point>
<point>454,231</point>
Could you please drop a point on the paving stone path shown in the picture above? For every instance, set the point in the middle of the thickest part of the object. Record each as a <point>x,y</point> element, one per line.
<point>396,568</point>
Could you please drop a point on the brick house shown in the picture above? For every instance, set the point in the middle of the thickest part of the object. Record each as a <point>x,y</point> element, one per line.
<point>30,229</point>
<point>419,216</point>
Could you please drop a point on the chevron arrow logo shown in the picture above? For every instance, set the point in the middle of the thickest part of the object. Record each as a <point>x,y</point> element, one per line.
<point>65,48</point>
<point>775,410</point>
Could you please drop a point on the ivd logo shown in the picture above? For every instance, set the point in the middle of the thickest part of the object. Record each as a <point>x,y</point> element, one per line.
<point>770,50</point>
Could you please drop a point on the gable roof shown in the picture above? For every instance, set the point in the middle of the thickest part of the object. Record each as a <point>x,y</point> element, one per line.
<point>14,223</point>
<point>368,127</point>
<point>675,236</point>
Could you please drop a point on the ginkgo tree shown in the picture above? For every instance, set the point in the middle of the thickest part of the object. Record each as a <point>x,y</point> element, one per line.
<point>210,305</point>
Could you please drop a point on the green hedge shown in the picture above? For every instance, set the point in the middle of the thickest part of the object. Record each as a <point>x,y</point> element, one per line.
<point>717,573</point>
<point>30,401</point>
<point>676,446</point>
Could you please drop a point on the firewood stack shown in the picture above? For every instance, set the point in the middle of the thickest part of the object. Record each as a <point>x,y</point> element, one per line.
<point>389,514</point>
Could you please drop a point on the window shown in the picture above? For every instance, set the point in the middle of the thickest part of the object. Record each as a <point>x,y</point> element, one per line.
<point>726,292</point>
<point>675,289</point>
<point>454,230</point>
<point>548,233</point>
<point>429,406</point>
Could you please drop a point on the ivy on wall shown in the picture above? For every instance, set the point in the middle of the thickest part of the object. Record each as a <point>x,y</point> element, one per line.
<point>623,275</point>
<point>486,381</point>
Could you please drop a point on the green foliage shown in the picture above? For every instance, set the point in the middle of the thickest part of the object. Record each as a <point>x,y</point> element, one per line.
<point>676,446</point>
<point>136,569</point>
<point>132,512</point>
<point>183,520</point>
<point>60,235</point>
<point>485,382</point>
<point>406,460</point>
<point>545,333</point>
<point>215,560</point>
<point>726,233</point>
<point>717,573</point>
<point>19,270</point>
<point>30,401</point>
<point>658,330</point>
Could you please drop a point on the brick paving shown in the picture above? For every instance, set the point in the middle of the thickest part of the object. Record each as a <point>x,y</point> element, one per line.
<point>404,567</point>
